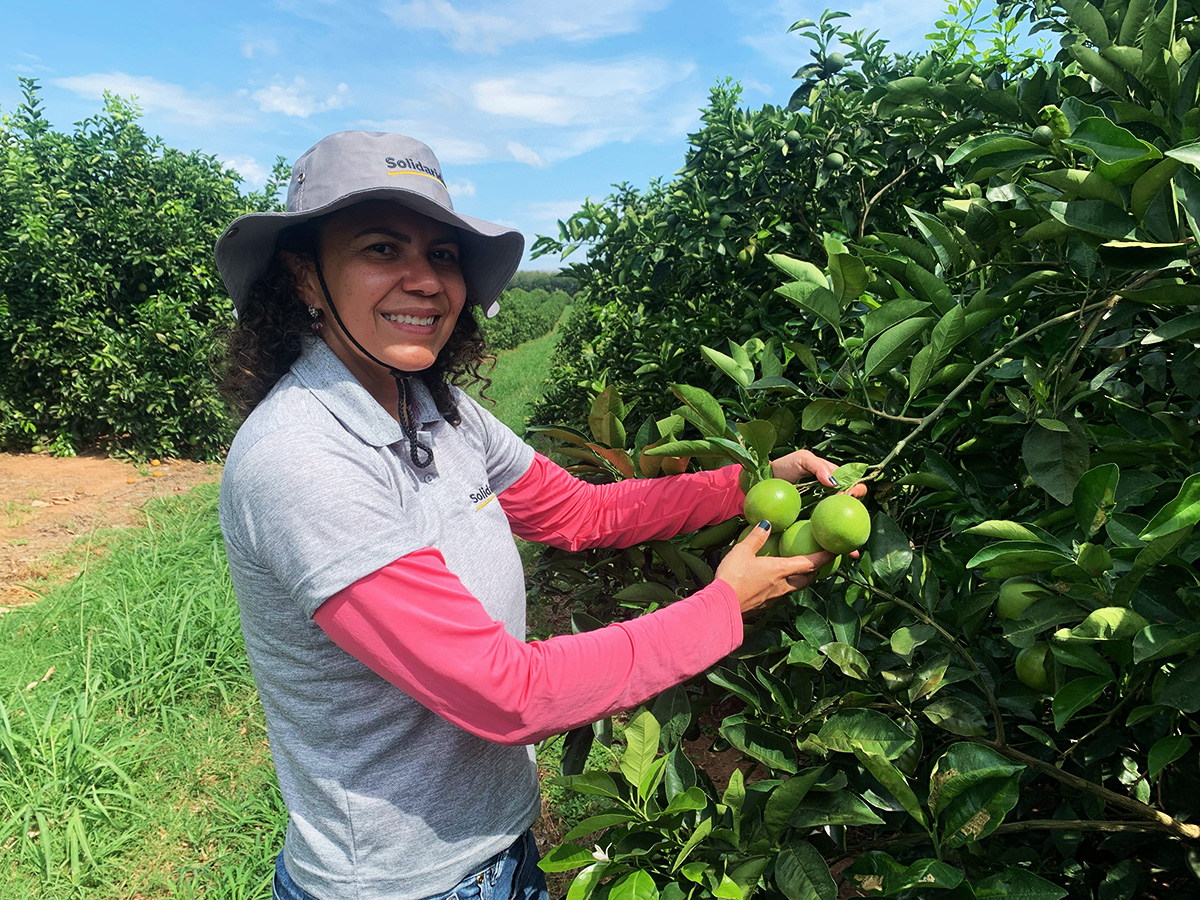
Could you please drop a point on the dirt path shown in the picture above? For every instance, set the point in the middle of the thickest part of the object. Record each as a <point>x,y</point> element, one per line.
<point>48,505</point>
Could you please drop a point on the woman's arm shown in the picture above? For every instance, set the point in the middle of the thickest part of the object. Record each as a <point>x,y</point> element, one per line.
<point>551,506</point>
<point>413,623</point>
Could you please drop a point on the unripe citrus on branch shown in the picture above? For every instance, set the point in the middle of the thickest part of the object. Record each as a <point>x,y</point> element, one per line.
<point>1033,666</point>
<point>1015,595</point>
<point>841,524</point>
<point>775,500</point>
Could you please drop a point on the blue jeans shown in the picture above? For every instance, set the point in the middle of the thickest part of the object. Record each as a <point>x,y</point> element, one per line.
<point>512,874</point>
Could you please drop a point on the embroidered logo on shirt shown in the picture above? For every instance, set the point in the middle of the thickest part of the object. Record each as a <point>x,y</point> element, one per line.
<point>482,496</point>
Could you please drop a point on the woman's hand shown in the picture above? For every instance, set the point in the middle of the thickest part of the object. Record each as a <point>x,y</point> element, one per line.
<point>757,580</point>
<point>805,463</point>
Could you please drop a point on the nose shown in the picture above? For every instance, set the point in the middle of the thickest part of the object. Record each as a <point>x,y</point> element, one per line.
<point>420,277</point>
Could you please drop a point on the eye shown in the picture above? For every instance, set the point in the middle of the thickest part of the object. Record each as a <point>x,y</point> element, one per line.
<point>444,255</point>
<point>381,248</point>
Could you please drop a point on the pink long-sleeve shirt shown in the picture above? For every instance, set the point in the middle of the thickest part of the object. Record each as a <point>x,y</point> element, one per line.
<point>416,625</point>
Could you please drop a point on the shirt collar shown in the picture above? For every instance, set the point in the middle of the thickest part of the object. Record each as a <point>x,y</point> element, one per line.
<point>327,377</point>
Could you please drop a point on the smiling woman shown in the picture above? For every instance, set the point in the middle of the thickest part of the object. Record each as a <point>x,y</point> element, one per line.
<point>369,510</point>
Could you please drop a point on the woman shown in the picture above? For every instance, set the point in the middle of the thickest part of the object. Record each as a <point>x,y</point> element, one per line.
<point>368,510</point>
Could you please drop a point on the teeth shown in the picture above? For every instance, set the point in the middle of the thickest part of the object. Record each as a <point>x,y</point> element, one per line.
<point>411,320</point>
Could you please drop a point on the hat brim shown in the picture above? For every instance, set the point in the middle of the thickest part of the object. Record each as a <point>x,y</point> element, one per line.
<point>491,253</point>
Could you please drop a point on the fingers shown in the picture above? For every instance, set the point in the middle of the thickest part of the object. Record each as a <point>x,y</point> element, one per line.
<point>757,537</point>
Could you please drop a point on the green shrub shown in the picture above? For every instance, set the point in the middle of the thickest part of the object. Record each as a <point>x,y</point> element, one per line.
<point>110,302</point>
<point>524,315</point>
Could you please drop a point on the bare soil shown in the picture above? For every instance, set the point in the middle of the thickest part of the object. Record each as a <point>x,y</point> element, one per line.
<point>51,506</point>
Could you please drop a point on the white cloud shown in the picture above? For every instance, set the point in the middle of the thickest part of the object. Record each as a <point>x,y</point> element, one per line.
<point>252,171</point>
<point>461,188</point>
<point>521,153</point>
<point>485,26</point>
<point>550,211</point>
<point>251,46</point>
<point>296,100</point>
<point>172,101</point>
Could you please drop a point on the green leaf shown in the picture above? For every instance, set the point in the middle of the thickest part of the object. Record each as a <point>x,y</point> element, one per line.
<point>783,800</point>
<point>1161,641</point>
<point>1182,327</point>
<point>892,346</point>
<point>802,874</point>
<point>641,747</point>
<point>852,662</point>
<point>1075,696</point>
<point>894,781</point>
<point>851,730</point>
<point>971,789</point>
<point>1055,460</point>
<point>1181,690</point>
<point>728,365</point>
<point>1082,183</point>
<point>838,808</point>
<point>1110,143</point>
<point>703,830</point>
<point>599,783</point>
<point>818,414</point>
<point>564,857</point>
<point>773,750</point>
<point>705,406</point>
<point>907,638</point>
<point>820,301</point>
<point>1003,529</point>
<point>1094,498</point>
<point>798,269</point>
<point>637,885</point>
<point>647,592</point>
<point>957,716</point>
<point>1081,656</point>
<point>1181,512</point>
<point>1018,884</point>
<point>596,823</point>
<point>849,276</point>
<point>1165,751</point>
<point>877,321</point>
<point>759,437</point>
<point>1097,217</point>
<point>987,144</point>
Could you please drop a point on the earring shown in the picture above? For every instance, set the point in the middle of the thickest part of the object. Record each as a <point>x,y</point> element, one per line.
<point>317,322</point>
<point>313,312</point>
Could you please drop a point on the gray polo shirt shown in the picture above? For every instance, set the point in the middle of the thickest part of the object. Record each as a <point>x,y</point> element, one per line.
<point>385,799</point>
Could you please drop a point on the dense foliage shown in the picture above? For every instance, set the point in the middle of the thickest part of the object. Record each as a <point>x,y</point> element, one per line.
<point>524,315</point>
<point>990,300</point>
<point>110,302</point>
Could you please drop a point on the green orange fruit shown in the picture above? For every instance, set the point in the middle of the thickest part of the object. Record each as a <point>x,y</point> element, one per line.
<point>1034,667</point>
<point>835,161</point>
<point>1015,595</point>
<point>798,540</point>
<point>775,500</point>
<point>841,524</point>
<point>1043,135</point>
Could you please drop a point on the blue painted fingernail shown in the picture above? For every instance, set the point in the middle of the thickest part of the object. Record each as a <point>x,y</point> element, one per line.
<point>764,525</point>
<point>833,481</point>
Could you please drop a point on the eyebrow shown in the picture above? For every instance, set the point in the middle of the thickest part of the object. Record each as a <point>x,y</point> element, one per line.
<point>399,235</point>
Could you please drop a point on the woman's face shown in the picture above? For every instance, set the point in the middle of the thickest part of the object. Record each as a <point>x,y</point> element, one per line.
<point>395,277</point>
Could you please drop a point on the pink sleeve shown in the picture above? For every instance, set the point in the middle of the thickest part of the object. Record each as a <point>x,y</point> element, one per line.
<point>413,623</point>
<point>549,505</point>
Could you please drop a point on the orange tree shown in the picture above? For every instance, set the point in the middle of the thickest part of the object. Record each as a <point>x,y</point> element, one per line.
<point>110,302</point>
<point>1011,357</point>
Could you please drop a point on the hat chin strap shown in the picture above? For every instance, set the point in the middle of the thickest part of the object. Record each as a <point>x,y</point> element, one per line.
<point>421,455</point>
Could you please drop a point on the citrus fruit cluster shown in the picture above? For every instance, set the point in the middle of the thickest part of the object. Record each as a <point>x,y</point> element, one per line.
<point>838,524</point>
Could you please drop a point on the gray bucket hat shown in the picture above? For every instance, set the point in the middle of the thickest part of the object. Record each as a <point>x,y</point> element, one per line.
<point>350,167</point>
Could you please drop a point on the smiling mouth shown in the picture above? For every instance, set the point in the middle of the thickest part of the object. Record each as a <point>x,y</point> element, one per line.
<point>411,320</point>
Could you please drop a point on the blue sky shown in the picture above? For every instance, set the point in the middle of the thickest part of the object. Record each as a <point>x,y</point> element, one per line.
<point>531,106</point>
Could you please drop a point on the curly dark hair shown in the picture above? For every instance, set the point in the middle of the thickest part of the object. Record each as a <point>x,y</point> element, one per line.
<point>267,339</point>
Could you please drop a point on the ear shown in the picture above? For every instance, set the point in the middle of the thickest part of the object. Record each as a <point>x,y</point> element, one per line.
<point>304,271</point>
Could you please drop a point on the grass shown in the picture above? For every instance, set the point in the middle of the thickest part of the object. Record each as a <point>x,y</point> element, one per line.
<point>133,753</point>
<point>519,378</point>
